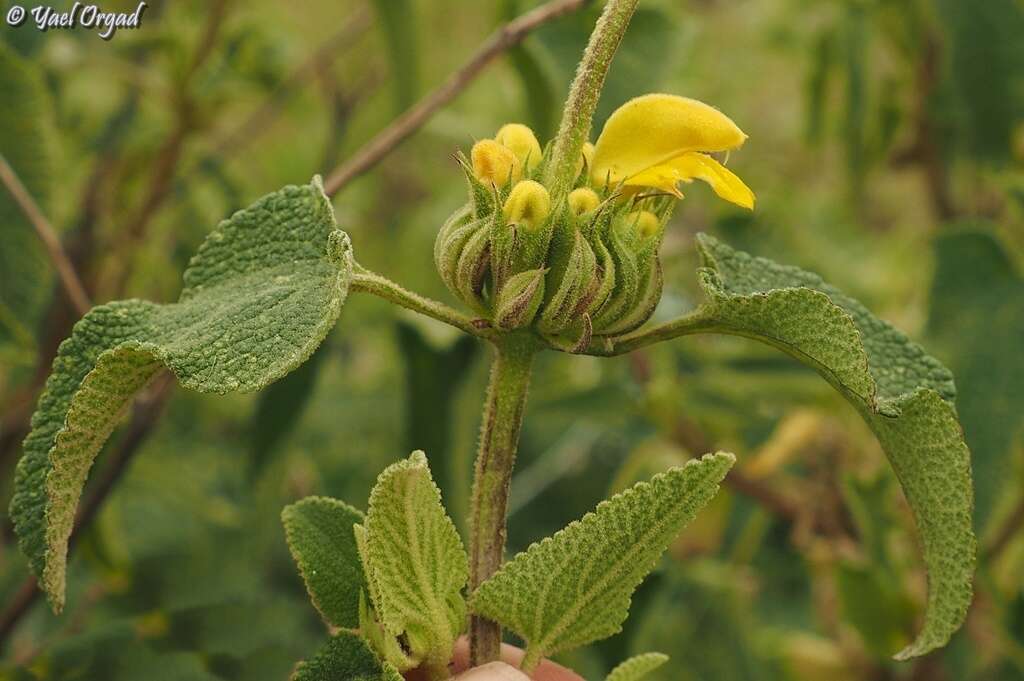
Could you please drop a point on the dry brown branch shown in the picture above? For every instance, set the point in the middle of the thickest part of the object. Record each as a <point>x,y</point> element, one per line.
<point>65,270</point>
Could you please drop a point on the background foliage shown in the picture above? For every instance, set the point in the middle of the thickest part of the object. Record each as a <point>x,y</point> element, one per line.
<point>887,151</point>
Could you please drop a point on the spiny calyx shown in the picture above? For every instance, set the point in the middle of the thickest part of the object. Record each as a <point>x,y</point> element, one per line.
<point>570,267</point>
<point>584,264</point>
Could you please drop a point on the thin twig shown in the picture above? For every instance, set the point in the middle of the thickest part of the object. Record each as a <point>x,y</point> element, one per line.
<point>509,35</point>
<point>65,270</point>
<point>146,413</point>
<point>371,282</point>
<point>161,180</point>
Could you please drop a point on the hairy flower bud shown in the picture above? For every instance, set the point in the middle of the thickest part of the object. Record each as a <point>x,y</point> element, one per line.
<point>522,142</point>
<point>494,163</point>
<point>519,299</point>
<point>644,222</point>
<point>529,204</point>
<point>583,200</point>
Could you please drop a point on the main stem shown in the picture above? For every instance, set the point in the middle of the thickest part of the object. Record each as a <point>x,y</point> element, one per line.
<point>584,94</point>
<point>499,438</point>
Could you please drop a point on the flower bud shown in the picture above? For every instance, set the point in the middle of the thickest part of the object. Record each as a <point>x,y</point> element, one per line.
<point>529,204</point>
<point>574,284</point>
<point>471,269</point>
<point>494,163</point>
<point>519,299</point>
<point>522,142</point>
<point>644,222</point>
<point>450,242</point>
<point>643,306</point>
<point>583,200</point>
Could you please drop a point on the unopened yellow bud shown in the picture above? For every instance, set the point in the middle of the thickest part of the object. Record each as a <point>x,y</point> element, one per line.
<point>494,163</point>
<point>523,143</point>
<point>529,204</point>
<point>645,222</point>
<point>583,200</point>
<point>586,158</point>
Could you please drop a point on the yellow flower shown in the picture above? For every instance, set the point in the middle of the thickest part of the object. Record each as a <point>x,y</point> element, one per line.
<point>521,141</point>
<point>660,140</point>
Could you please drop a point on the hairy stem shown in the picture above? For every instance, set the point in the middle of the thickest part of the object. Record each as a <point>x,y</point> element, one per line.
<point>499,437</point>
<point>694,322</point>
<point>378,285</point>
<point>586,90</point>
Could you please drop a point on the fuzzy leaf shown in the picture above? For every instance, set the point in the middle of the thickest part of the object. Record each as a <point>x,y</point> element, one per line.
<point>262,292</point>
<point>416,561</point>
<point>345,657</point>
<point>905,396</point>
<point>323,544</point>
<point>575,587</point>
<point>637,667</point>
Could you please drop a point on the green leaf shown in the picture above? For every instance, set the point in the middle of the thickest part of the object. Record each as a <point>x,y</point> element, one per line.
<point>904,395</point>
<point>26,142</point>
<point>345,657</point>
<point>637,667</point>
<point>416,561</point>
<point>322,542</point>
<point>575,587</point>
<point>262,292</point>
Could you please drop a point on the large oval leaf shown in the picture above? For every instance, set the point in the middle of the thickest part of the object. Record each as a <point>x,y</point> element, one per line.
<point>260,295</point>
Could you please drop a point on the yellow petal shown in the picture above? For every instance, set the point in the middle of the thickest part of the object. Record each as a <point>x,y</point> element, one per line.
<point>494,163</point>
<point>523,143</point>
<point>649,130</point>
<point>586,159</point>
<point>693,166</point>
<point>528,204</point>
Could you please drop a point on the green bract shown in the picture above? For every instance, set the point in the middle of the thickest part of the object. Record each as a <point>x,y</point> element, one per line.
<point>262,292</point>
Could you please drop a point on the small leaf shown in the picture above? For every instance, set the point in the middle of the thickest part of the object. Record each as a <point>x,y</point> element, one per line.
<point>415,560</point>
<point>903,394</point>
<point>260,295</point>
<point>637,667</point>
<point>323,544</point>
<point>345,657</point>
<point>575,587</point>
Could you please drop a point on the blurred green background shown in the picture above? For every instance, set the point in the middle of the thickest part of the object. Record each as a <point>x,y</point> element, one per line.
<point>887,153</point>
